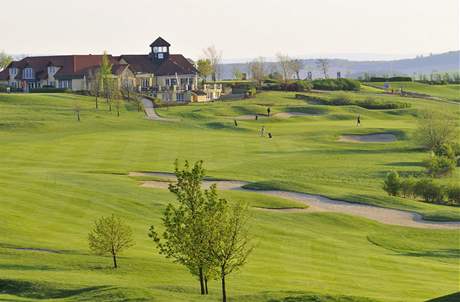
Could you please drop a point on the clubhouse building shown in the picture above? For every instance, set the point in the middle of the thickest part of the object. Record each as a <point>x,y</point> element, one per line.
<point>169,77</point>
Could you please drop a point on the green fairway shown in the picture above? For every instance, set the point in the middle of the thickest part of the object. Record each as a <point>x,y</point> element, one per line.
<point>58,175</point>
<point>449,92</point>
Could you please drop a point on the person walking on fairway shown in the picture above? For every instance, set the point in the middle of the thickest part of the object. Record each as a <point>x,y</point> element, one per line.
<point>262,131</point>
<point>236,123</point>
<point>257,117</point>
<point>268,111</point>
<point>358,121</point>
<point>270,135</point>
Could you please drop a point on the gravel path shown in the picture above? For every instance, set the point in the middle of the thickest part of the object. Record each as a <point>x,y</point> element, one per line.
<point>316,203</point>
<point>369,138</point>
<point>150,111</point>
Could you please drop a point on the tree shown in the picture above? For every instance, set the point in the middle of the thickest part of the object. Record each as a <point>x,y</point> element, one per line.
<point>106,74</point>
<point>94,81</point>
<point>237,74</point>
<point>77,109</point>
<point>137,99</point>
<point>436,129</point>
<point>230,242</point>
<point>5,60</point>
<point>185,235</point>
<point>323,66</point>
<point>215,57</point>
<point>118,104</point>
<point>296,66</point>
<point>258,69</point>
<point>110,235</point>
<point>284,63</point>
<point>392,184</point>
<point>204,68</point>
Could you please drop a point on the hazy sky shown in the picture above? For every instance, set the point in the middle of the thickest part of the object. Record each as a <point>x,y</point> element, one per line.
<point>240,28</point>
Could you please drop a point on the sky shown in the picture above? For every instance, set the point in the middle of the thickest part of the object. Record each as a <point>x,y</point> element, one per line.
<point>241,29</point>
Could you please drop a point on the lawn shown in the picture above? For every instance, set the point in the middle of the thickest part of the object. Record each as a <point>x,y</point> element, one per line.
<point>58,175</point>
<point>448,92</point>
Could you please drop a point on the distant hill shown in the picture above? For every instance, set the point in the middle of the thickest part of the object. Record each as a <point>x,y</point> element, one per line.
<point>445,62</point>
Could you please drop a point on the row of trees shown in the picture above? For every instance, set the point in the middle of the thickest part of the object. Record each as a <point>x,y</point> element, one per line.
<point>205,233</point>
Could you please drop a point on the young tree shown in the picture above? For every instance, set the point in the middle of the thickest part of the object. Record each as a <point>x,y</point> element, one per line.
<point>94,81</point>
<point>106,74</point>
<point>258,70</point>
<point>296,66</point>
<point>284,62</point>
<point>230,243</point>
<point>323,66</point>
<point>110,235</point>
<point>5,60</point>
<point>77,109</point>
<point>185,235</point>
<point>118,104</point>
<point>137,99</point>
<point>436,129</point>
<point>215,58</point>
<point>204,68</point>
<point>237,74</point>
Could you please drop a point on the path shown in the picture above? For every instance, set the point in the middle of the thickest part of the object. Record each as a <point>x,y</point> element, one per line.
<point>150,111</point>
<point>368,138</point>
<point>316,203</point>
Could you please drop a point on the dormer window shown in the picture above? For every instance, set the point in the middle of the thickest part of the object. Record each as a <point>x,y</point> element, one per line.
<point>28,73</point>
<point>51,70</point>
<point>159,50</point>
<point>13,72</point>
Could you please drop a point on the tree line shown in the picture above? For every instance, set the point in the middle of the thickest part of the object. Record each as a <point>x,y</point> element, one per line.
<point>201,231</point>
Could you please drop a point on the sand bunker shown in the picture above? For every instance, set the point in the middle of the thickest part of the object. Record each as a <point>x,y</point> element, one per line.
<point>316,203</point>
<point>277,115</point>
<point>369,138</point>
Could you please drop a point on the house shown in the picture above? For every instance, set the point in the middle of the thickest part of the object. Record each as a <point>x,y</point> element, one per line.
<point>69,72</point>
<point>169,77</point>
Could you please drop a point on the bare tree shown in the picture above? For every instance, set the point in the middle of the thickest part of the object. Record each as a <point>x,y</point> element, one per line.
<point>258,70</point>
<point>77,109</point>
<point>296,66</point>
<point>94,82</point>
<point>323,66</point>
<point>110,235</point>
<point>284,63</point>
<point>215,58</point>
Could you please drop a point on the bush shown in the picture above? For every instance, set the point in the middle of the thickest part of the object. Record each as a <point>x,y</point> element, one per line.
<point>408,187</point>
<point>392,79</point>
<point>48,90</point>
<point>429,191</point>
<point>369,103</point>
<point>392,184</point>
<point>453,195</point>
<point>438,166</point>
<point>336,84</point>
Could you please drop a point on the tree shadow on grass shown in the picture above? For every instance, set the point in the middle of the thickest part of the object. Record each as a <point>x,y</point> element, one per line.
<point>455,297</point>
<point>33,290</point>
<point>445,253</point>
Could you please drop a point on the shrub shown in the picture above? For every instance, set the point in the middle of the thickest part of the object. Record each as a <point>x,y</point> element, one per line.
<point>336,84</point>
<point>453,195</point>
<point>438,166</point>
<point>48,90</point>
<point>392,79</point>
<point>444,150</point>
<point>392,184</point>
<point>408,187</point>
<point>429,191</point>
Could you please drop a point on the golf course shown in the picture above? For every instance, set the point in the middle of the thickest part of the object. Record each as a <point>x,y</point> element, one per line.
<point>322,226</point>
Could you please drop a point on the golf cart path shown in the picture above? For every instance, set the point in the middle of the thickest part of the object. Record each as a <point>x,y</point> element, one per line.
<point>150,111</point>
<point>316,203</point>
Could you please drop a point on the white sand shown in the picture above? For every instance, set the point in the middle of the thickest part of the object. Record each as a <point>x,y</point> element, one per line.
<point>369,138</point>
<point>318,203</point>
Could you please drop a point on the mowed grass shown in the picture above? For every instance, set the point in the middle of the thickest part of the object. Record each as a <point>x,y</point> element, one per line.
<point>449,92</point>
<point>57,176</point>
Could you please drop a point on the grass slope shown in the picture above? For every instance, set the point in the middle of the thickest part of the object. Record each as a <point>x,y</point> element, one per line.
<point>57,176</point>
<point>449,92</point>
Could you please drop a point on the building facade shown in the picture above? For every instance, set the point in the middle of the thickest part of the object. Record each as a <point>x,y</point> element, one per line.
<point>169,77</point>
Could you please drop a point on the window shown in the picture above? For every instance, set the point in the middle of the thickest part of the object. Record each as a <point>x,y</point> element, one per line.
<point>13,72</point>
<point>180,97</point>
<point>160,56</point>
<point>51,70</point>
<point>167,82</point>
<point>173,82</point>
<point>65,84</point>
<point>28,73</point>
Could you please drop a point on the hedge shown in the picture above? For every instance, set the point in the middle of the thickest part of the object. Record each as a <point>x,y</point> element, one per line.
<point>392,79</point>
<point>336,84</point>
<point>48,90</point>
